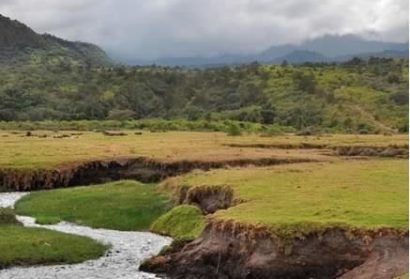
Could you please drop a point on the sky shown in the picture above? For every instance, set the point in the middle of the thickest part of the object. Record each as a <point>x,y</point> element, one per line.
<point>150,29</point>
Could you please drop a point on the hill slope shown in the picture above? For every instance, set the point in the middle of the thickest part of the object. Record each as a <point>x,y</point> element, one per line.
<point>19,43</point>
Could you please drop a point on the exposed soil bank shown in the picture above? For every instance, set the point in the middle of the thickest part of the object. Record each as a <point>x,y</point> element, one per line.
<point>302,145</point>
<point>99,171</point>
<point>230,250</point>
<point>387,151</point>
<point>208,198</point>
<point>398,151</point>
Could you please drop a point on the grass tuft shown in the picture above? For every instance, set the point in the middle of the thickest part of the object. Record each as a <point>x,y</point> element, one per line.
<point>7,217</point>
<point>181,222</point>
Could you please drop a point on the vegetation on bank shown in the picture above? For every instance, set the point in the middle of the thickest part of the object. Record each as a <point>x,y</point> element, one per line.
<point>181,222</point>
<point>362,194</point>
<point>30,246</point>
<point>122,205</point>
<point>48,149</point>
<point>7,217</point>
<point>361,96</point>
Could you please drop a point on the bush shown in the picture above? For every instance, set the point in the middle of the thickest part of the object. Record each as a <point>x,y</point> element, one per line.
<point>7,217</point>
<point>234,130</point>
<point>273,130</point>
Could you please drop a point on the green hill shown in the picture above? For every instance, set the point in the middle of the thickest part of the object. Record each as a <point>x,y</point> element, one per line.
<point>19,44</point>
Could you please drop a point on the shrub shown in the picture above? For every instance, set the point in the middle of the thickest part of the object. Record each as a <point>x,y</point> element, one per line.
<point>7,217</point>
<point>273,130</point>
<point>234,130</point>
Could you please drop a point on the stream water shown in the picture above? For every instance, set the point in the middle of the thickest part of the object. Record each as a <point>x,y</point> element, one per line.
<point>121,261</point>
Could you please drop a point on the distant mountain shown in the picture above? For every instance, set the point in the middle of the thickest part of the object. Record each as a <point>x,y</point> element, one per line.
<point>19,43</point>
<point>334,45</point>
<point>301,56</point>
<point>329,48</point>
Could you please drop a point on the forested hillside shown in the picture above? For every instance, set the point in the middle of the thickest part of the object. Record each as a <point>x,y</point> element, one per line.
<point>357,96</point>
<point>19,44</point>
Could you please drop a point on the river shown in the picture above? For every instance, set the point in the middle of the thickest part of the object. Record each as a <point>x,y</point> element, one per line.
<point>121,261</point>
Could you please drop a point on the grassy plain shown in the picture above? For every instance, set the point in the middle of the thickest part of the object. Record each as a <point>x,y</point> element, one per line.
<point>350,193</point>
<point>19,151</point>
<point>121,205</point>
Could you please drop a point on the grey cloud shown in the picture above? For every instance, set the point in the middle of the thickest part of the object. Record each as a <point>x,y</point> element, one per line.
<point>155,28</point>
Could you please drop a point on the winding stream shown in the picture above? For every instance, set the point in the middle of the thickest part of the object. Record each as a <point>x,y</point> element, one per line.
<point>121,261</point>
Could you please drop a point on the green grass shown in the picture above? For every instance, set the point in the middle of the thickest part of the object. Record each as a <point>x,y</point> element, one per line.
<point>365,193</point>
<point>122,205</point>
<point>29,246</point>
<point>182,222</point>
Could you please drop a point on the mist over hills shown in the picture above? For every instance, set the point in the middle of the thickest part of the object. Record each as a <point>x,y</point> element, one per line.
<point>328,48</point>
<point>20,42</point>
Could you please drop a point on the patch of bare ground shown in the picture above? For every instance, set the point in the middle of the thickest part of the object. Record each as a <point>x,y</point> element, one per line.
<point>140,168</point>
<point>208,198</point>
<point>227,249</point>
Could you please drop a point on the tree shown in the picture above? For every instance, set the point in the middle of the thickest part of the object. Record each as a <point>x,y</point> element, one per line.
<point>305,82</point>
<point>268,114</point>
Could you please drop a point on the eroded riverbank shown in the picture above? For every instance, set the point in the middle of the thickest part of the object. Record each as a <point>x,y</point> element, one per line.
<point>128,250</point>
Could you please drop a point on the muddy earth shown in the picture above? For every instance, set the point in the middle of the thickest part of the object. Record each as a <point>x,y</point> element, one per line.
<point>228,250</point>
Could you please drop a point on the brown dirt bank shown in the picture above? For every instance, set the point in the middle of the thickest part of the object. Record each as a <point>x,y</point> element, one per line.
<point>98,171</point>
<point>397,151</point>
<point>230,250</point>
<point>208,198</point>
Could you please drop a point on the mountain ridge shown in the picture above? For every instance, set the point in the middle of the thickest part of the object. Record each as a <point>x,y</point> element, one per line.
<point>19,43</point>
<point>328,48</point>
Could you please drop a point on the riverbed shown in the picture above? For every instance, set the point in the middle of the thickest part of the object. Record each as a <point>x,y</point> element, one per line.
<point>121,261</point>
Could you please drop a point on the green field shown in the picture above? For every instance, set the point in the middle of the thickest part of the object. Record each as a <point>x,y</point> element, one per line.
<point>122,205</point>
<point>352,193</point>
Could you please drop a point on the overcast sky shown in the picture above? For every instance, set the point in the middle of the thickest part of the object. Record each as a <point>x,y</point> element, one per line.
<point>147,29</point>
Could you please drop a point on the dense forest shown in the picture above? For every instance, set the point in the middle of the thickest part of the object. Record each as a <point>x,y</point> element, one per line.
<point>357,96</point>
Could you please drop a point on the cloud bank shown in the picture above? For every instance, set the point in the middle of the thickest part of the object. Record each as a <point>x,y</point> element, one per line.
<point>148,29</point>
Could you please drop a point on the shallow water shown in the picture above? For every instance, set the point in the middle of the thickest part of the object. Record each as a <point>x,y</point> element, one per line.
<point>128,250</point>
